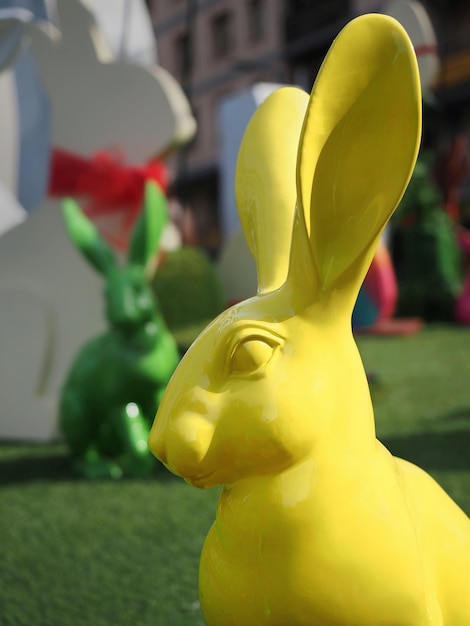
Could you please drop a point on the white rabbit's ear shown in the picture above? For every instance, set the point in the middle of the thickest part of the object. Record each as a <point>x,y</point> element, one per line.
<point>359,144</point>
<point>265,182</point>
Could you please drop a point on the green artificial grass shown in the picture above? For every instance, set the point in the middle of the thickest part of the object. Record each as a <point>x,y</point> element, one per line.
<point>96,553</point>
<point>422,401</point>
<point>76,553</point>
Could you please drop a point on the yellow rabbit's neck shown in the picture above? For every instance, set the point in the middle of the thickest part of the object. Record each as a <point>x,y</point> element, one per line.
<point>281,510</point>
<point>331,387</point>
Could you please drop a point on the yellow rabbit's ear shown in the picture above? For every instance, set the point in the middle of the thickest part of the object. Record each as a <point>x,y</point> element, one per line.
<point>358,148</point>
<point>265,187</point>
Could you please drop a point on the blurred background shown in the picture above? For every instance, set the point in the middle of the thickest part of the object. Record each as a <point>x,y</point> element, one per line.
<point>100,96</point>
<point>219,48</point>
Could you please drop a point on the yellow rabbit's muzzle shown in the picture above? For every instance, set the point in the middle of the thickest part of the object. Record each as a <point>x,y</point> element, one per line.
<point>183,447</point>
<point>184,427</point>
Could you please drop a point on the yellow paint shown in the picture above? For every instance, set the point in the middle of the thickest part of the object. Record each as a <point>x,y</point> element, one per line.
<point>317,524</point>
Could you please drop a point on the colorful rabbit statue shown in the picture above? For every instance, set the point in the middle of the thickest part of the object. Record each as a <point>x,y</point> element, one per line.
<point>116,382</point>
<point>317,523</point>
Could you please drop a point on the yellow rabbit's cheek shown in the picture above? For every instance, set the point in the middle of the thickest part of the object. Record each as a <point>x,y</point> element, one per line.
<point>249,433</point>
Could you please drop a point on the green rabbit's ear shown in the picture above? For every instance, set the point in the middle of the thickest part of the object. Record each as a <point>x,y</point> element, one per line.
<point>86,237</point>
<point>148,229</point>
<point>265,182</point>
<point>359,144</point>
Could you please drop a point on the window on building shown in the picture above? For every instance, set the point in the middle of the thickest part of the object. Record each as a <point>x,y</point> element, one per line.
<point>197,134</point>
<point>256,19</point>
<point>223,40</point>
<point>183,56</point>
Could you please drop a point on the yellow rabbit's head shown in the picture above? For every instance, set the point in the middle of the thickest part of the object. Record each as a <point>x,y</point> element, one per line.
<point>278,378</point>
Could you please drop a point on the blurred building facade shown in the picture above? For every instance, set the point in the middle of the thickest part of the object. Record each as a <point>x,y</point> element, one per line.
<point>218,47</point>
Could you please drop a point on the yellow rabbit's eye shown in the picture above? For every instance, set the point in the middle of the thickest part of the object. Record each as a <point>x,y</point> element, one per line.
<point>251,355</point>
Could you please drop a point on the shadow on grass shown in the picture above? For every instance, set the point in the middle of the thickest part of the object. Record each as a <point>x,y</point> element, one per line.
<point>30,468</point>
<point>438,449</point>
<point>461,414</point>
<point>52,464</point>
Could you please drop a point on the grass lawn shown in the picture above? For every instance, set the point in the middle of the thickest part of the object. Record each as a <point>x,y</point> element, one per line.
<point>126,553</point>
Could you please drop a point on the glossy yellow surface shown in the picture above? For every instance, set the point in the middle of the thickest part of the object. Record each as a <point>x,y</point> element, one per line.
<point>317,524</point>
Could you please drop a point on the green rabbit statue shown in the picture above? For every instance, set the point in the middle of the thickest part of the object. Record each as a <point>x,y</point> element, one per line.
<point>115,384</point>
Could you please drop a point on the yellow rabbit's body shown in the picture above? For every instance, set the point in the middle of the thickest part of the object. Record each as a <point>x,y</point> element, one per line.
<point>249,575</point>
<point>317,524</point>
<point>348,534</point>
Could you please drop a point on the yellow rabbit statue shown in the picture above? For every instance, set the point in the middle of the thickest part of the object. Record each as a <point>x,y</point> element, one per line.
<point>317,523</point>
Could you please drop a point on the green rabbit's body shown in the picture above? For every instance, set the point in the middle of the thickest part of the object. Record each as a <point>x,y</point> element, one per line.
<point>107,373</point>
<point>116,381</point>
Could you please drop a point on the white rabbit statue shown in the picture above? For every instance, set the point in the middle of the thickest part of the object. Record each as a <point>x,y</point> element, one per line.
<point>317,523</point>
<point>99,103</point>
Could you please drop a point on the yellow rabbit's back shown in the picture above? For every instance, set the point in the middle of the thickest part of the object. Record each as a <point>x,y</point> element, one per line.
<point>444,532</point>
